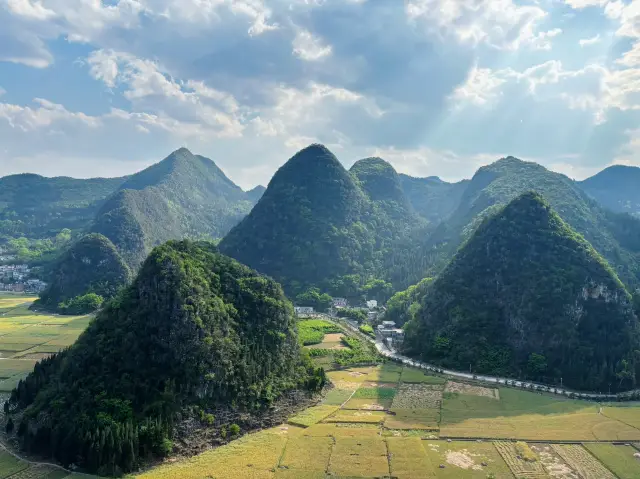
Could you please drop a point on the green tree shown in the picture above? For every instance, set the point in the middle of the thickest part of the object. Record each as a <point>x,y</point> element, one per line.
<point>536,365</point>
<point>313,297</point>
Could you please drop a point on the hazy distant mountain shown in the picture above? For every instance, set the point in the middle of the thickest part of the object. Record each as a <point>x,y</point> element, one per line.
<point>196,333</point>
<point>431,197</point>
<point>317,222</point>
<point>617,188</point>
<point>527,296</point>
<point>39,207</point>
<point>254,194</point>
<point>183,196</point>
<point>615,237</point>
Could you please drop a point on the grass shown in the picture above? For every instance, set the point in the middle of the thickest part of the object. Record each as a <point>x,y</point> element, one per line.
<point>312,415</point>
<point>8,385</point>
<point>336,397</point>
<point>10,465</point>
<point>627,415</point>
<point>375,393</point>
<point>462,460</point>
<point>414,375</point>
<point>386,373</point>
<point>587,466</point>
<point>312,331</point>
<point>619,459</point>
<point>254,456</point>
<point>408,459</point>
<point>11,367</point>
<point>359,457</point>
<point>307,453</point>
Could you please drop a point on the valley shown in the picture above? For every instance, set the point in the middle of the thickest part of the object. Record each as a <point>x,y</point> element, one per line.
<point>339,323</point>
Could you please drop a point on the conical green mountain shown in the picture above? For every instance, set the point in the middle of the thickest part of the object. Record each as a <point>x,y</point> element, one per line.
<point>617,188</point>
<point>614,236</point>
<point>90,265</point>
<point>527,296</point>
<point>183,196</point>
<point>195,332</point>
<point>317,222</point>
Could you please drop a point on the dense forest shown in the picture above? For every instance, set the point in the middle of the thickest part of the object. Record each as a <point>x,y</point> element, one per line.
<point>183,196</point>
<point>319,225</point>
<point>90,265</point>
<point>195,331</point>
<point>35,207</point>
<point>431,197</point>
<point>527,296</point>
<point>615,236</point>
<point>616,188</point>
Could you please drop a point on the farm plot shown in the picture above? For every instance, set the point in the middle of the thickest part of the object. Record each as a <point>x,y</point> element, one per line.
<point>627,415</point>
<point>463,460</point>
<point>386,373</point>
<point>40,472</point>
<point>521,461</point>
<point>587,466</point>
<point>10,465</point>
<point>471,390</point>
<point>408,459</point>
<point>313,331</point>
<point>555,466</point>
<point>11,367</point>
<point>336,397</point>
<point>330,341</point>
<point>357,416</point>
<point>368,392</point>
<point>343,430</point>
<point>9,302</point>
<point>359,457</point>
<point>417,396</point>
<point>254,456</point>
<point>307,453</point>
<point>619,459</point>
<point>312,415</point>
<point>415,375</point>
<point>404,419</point>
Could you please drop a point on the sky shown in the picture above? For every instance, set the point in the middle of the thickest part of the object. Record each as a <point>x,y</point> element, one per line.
<point>435,87</point>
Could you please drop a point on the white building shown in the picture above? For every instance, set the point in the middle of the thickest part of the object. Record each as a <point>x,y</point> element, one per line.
<point>372,304</point>
<point>388,324</point>
<point>372,315</point>
<point>303,310</point>
<point>340,303</point>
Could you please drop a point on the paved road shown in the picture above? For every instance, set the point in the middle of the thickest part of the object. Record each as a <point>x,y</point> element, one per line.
<point>385,351</point>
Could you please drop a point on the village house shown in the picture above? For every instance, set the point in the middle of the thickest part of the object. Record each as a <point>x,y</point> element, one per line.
<point>303,310</point>
<point>340,303</point>
<point>372,304</point>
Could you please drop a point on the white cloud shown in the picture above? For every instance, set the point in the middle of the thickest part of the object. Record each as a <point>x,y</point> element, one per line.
<point>308,47</point>
<point>589,41</point>
<point>502,24</point>
<point>44,115</point>
<point>542,40</point>
<point>631,58</point>
<point>480,88</point>
<point>629,153</point>
<point>423,161</point>
<point>580,4</point>
<point>152,91</point>
<point>29,9</point>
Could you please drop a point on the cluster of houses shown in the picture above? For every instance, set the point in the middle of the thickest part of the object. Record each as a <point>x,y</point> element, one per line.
<point>390,334</point>
<point>13,277</point>
<point>340,303</point>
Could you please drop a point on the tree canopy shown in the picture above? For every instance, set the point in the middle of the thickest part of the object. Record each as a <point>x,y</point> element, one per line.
<point>195,328</point>
<point>527,291</point>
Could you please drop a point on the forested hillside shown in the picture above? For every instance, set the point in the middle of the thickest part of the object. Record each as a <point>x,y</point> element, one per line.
<point>91,265</point>
<point>183,196</point>
<point>614,236</point>
<point>196,333</point>
<point>431,197</point>
<point>37,207</point>
<point>617,188</point>
<point>318,224</point>
<point>527,296</point>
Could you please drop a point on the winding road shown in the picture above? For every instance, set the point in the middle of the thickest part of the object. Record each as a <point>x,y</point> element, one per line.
<point>392,354</point>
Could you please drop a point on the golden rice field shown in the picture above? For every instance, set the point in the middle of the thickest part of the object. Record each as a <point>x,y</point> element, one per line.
<point>27,336</point>
<point>374,424</point>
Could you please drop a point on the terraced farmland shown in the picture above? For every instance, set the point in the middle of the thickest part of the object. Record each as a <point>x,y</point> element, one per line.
<point>27,336</point>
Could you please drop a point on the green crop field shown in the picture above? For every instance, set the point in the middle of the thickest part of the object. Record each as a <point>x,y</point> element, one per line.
<point>28,336</point>
<point>619,459</point>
